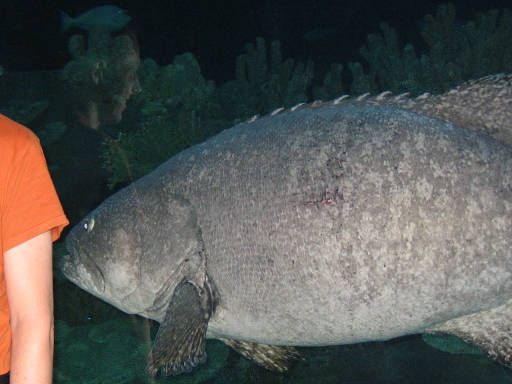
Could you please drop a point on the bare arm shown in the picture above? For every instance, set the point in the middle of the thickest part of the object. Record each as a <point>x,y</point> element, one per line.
<point>28,275</point>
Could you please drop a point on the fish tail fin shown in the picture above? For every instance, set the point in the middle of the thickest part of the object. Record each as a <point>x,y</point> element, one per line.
<point>66,21</point>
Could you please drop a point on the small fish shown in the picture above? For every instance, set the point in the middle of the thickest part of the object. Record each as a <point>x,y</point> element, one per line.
<point>108,17</point>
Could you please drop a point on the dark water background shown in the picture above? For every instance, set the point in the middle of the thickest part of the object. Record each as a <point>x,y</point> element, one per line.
<point>98,344</point>
<point>215,32</point>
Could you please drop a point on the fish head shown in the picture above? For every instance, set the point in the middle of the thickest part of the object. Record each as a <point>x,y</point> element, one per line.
<point>104,257</point>
<point>132,249</point>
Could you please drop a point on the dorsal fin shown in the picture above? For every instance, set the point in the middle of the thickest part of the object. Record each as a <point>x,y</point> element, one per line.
<point>482,105</point>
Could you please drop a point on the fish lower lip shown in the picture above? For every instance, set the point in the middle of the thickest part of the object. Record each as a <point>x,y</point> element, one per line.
<point>68,269</point>
<point>72,270</point>
<point>64,265</point>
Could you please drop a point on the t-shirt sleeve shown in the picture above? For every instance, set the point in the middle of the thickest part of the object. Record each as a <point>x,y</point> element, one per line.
<point>32,205</point>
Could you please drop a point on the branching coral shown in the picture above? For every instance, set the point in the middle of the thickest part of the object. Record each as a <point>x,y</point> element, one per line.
<point>264,82</point>
<point>332,85</point>
<point>178,85</point>
<point>181,108</point>
<point>94,72</point>
<point>455,53</point>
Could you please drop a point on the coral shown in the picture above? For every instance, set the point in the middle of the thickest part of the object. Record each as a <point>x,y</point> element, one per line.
<point>76,46</point>
<point>178,85</point>
<point>454,54</point>
<point>97,67</point>
<point>180,108</point>
<point>332,85</point>
<point>390,67</point>
<point>478,48</point>
<point>160,136</point>
<point>264,82</point>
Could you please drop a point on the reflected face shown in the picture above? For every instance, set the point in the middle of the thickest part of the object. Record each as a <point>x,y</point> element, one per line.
<point>126,84</point>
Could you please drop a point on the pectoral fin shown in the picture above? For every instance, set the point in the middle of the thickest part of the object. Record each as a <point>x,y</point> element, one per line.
<point>180,342</point>
<point>271,357</point>
<point>491,331</point>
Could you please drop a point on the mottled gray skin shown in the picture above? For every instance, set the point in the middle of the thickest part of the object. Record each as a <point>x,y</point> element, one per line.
<point>328,225</point>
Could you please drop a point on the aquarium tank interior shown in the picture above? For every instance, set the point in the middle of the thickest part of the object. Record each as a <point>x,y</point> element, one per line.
<point>219,265</point>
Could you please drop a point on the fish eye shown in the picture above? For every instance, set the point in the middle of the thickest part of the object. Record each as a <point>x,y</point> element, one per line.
<point>89,225</point>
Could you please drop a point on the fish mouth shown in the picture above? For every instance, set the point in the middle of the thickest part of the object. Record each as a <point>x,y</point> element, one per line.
<point>77,273</point>
<point>66,267</point>
<point>79,267</point>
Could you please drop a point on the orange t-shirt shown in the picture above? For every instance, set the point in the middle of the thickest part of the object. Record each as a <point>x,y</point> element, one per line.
<point>29,206</point>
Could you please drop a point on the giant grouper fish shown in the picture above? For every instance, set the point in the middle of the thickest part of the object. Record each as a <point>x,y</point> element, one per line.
<point>330,223</point>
